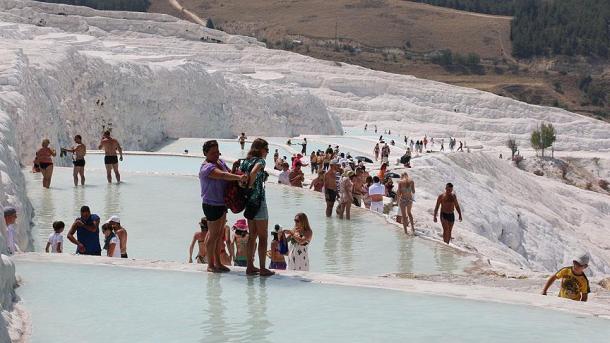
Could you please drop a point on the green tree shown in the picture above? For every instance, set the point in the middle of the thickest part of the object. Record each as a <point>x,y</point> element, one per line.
<point>535,140</point>
<point>543,138</point>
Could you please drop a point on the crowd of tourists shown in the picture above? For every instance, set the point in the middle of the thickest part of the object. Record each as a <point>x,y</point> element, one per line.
<point>342,179</point>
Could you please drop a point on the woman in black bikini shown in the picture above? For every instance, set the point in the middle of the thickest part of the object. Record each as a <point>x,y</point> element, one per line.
<point>44,157</point>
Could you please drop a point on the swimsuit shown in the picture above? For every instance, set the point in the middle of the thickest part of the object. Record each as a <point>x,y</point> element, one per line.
<point>213,213</point>
<point>111,160</point>
<point>44,165</point>
<point>330,195</point>
<point>450,217</point>
<point>240,261</point>
<point>79,163</point>
<point>404,201</point>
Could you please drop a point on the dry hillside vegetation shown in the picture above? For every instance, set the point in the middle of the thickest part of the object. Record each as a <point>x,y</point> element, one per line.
<point>404,37</point>
<point>373,23</point>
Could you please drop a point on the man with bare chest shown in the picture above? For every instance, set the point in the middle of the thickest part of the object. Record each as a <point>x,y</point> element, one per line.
<point>448,203</point>
<point>78,159</point>
<point>330,188</point>
<point>110,147</point>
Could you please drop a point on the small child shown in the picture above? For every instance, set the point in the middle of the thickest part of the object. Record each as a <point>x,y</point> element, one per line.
<point>574,282</point>
<point>240,240</point>
<point>277,259</point>
<point>56,240</point>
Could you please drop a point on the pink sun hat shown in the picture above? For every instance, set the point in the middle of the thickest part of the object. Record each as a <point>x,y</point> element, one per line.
<point>241,225</point>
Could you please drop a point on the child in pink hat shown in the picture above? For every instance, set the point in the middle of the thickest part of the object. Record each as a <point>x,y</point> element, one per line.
<point>240,240</point>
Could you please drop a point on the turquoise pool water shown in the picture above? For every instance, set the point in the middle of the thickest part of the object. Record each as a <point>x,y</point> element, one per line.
<point>230,149</point>
<point>79,303</point>
<point>161,213</point>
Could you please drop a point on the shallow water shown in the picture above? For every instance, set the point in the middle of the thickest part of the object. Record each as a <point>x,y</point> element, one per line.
<point>94,304</point>
<point>228,148</point>
<point>161,213</point>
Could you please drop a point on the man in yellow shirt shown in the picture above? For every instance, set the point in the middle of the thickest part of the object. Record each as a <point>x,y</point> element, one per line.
<point>574,283</point>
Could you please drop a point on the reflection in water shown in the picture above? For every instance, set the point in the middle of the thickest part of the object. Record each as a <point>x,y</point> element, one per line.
<point>258,325</point>
<point>347,250</point>
<point>446,259</point>
<point>112,204</point>
<point>45,210</point>
<point>330,247</point>
<point>214,322</point>
<point>405,247</point>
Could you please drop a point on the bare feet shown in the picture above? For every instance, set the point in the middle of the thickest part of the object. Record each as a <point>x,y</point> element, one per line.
<point>252,271</point>
<point>223,269</point>
<point>213,270</point>
<point>266,272</point>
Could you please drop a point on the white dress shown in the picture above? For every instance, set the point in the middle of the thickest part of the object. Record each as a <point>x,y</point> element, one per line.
<point>298,257</point>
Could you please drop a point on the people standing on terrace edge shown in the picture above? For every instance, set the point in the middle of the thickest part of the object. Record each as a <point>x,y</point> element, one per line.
<point>242,140</point>
<point>78,159</point>
<point>313,162</point>
<point>346,190</point>
<point>574,282</point>
<point>376,151</point>
<point>447,202</point>
<point>365,190</point>
<point>406,190</point>
<point>276,156</point>
<point>44,158</point>
<point>256,206</point>
<point>112,243</point>
<point>111,162</point>
<point>304,147</point>
<point>56,240</point>
<point>330,188</point>
<point>299,238</point>
<point>199,237</point>
<point>87,232</point>
<point>10,217</point>
<point>115,224</point>
<point>327,157</point>
<point>213,175</point>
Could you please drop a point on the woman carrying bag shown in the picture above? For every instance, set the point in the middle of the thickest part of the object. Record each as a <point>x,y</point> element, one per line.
<point>256,206</point>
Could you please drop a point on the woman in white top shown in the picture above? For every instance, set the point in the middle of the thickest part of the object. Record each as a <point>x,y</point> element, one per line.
<point>376,192</point>
<point>112,243</point>
<point>299,238</point>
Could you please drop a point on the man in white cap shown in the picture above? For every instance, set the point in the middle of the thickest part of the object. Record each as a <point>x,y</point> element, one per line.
<point>574,282</point>
<point>115,223</point>
<point>10,217</point>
